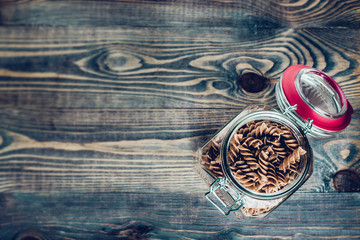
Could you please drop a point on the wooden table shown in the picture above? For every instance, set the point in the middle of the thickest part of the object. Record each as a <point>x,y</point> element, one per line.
<point>103,105</point>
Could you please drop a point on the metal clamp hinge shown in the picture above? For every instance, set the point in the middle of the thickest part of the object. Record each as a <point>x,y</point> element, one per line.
<point>306,127</point>
<point>227,192</point>
<point>290,109</point>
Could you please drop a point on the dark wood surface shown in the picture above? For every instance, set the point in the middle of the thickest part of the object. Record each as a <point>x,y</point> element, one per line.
<point>104,103</point>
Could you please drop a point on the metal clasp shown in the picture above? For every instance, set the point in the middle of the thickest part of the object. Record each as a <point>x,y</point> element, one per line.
<point>228,193</point>
<point>290,109</point>
<point>306,127</point>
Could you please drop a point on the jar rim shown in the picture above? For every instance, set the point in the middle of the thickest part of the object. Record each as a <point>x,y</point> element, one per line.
<point>275,116</point>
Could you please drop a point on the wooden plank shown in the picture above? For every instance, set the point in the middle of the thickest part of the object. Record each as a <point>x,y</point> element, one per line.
<point>174,216</point>
<point>161,71</point>
<point>164,13</point>
<point>116,150</point>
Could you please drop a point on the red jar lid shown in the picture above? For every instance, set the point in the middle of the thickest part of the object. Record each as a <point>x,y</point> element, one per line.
<point>317,96</point>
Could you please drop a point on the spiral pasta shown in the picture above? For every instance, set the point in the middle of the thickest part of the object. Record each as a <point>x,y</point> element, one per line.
<point>255,211</point>
<point>210,159</point>
<point>265,156</point>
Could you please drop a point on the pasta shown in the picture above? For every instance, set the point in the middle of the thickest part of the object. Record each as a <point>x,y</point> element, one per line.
<point>265,156</point>
<point>210,159</point>
<point>255,211</point>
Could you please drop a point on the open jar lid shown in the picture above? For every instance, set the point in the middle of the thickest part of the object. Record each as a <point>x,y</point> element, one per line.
<point>316,99</point>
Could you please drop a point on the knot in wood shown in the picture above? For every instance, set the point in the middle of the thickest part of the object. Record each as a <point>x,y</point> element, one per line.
<point>346,181</point>
<point>252,82</point>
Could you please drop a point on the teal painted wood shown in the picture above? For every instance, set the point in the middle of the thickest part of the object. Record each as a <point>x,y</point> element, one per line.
<point>174,216</point>
<point>103,105</point>
<point>182,14</point>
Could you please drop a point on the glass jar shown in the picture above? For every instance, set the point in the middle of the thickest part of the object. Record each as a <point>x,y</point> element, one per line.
<point>262,155</point>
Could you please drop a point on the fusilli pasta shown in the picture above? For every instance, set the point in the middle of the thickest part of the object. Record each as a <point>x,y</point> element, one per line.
<point>210,159</point>
<point>265,156</point>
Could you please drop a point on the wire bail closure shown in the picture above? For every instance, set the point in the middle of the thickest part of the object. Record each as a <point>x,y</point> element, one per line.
<point>305,127</point>
<point>308,126</point>
<point>226,191</point>
<point>290,109</point>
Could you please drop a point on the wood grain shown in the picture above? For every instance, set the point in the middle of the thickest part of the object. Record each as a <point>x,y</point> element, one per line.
<point>121,153</point>
<point>213,13</point>
<point>104,103</point>
<point>203,74</point>
<point>176,216</point>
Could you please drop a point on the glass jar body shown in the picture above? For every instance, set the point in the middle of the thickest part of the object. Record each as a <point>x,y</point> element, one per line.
<point>226,193</point>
